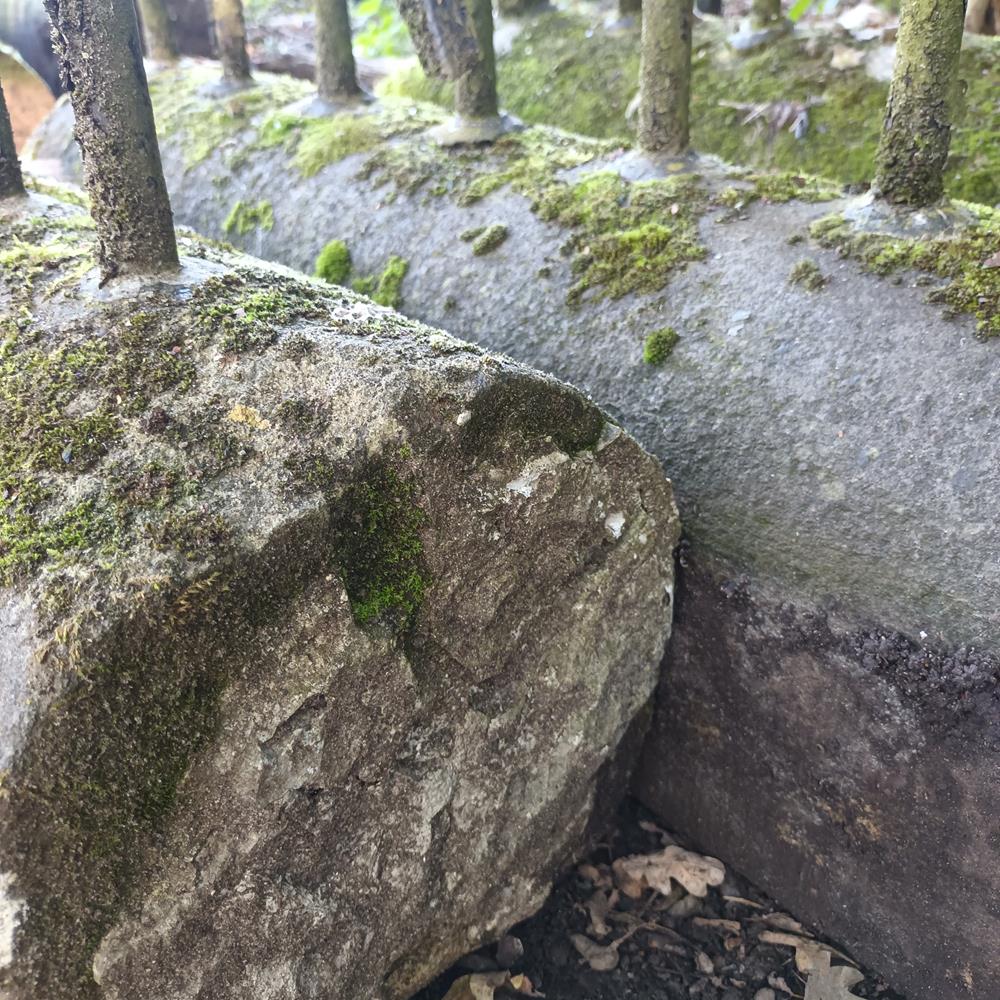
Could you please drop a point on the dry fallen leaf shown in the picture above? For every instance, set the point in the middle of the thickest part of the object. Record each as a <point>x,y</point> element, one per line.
<point>826,983</point>
<point>598,907</point>
<point>809,954</point>
<point>993,261</point>
<point>522,984</point>
<point>733,926</point>
<point>479,986</point>
<point>779,984</point>
<point>483,986</point>
<point>744,902</point>
<point>783,922</point>
<point>659,942</point>
<point>694,872</point>
<point>600,957</point>
<point>598,876</point>
<point>704,963</point>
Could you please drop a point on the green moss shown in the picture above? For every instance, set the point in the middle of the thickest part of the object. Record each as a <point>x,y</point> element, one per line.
<point>25,259</point>
<point>807,274</point>
<point>385,288</point>
<point>318,142</point>
<point>378,547</point>
<point>570,71</point>
<point>153,486</point>
<point>659,345</point>
<point>627,237</point>
<point>66,193</point>
<point>790,186</point>
<point>246,318</point>
<point>969,286</point>
<point>27,540</point>
<point>206,123</point>
<point>333,263</point>
<point>302,416</point>
<point>624,237</point>
<point>526,161</point>
<point>244,218</point>
<point>192,533</point>
<point>330,140</point>
<point>410,83</point>
<point>486,239</point>
<point>44,429</point>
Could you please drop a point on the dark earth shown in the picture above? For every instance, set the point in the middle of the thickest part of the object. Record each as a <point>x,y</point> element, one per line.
<point>688,955</point>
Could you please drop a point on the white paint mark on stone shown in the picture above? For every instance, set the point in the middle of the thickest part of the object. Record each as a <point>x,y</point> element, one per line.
<point>615,523</point>
<point>463,418</point>
<point>11,916</point>
<point>526,482</point>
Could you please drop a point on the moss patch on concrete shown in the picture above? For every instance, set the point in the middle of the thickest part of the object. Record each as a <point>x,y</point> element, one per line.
<point>625,237</point>
<point>244,218</point>
<point>968,287</point>
<point>385,288</point>
<point>807,274</point>
<point>659,345</point>
<point>333,263</point>
<point>207,123</point>
<point>485,239</point>
<point>317,142</point>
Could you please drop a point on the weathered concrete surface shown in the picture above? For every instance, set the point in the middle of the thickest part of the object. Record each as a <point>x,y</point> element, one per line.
<point>851,769</point>
<point>837,448</point>
<point>317,630</point>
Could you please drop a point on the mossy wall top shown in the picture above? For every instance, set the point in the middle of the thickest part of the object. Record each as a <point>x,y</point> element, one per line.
<point>567,71</point>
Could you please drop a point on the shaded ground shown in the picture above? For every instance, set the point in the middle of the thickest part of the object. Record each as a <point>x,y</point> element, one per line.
<point>675,947</point>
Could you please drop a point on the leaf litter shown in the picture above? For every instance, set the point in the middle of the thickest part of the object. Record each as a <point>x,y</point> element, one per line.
<point>648,918</point>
